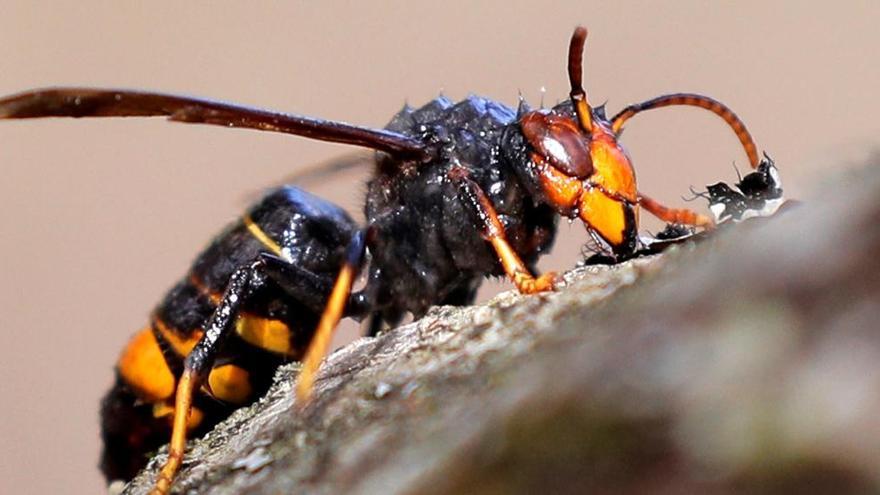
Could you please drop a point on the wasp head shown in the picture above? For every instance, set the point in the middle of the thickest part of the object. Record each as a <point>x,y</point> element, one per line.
<point>581,169</point>
<point>571,160</point>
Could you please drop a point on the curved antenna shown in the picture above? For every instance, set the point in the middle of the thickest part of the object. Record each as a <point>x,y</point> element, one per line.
<point>575,78</point>
<point>693,100</point>
<point>84,102</point>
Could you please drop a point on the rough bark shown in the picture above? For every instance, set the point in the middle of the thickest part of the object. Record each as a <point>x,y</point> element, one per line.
<point>749,362</point>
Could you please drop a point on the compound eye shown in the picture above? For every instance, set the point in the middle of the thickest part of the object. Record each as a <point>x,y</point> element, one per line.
<point>560,141</point>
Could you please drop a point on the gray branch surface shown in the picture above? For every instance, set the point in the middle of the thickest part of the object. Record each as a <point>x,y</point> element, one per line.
<point>749,362</point>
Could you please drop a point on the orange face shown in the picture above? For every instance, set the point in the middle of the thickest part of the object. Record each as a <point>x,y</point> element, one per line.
<point>574,162</point>
<point>585,174</point>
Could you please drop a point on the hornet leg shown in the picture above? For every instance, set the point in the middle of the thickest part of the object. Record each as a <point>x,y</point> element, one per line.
<point>198,364</point>
<point>493,231</point>
<point>301,284</point>
<point>333,312</point>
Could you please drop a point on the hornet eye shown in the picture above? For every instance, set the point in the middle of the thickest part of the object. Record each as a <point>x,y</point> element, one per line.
<point>560,141</point>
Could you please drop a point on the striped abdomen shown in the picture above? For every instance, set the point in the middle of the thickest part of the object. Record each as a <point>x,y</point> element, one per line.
<point>271,327</point>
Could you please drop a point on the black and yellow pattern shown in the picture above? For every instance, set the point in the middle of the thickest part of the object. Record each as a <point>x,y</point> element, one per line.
<point>270,327</point>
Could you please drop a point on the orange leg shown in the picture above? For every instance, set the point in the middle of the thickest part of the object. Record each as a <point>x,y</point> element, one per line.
<point>197,366</point>
<point>493,231</point>
<point>182,406</point>
<point>675,215</point>
<point>330,319</point>
<point>517,271</point>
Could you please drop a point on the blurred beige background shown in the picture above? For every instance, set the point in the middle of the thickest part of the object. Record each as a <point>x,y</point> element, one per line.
<point>99,217</point>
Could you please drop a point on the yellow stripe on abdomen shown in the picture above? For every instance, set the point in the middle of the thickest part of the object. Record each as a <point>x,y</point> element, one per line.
<point>182,345</point>
<point>264,239</point>
<point>230,383</point>
<point>142,366</point>
<point>265,333</point>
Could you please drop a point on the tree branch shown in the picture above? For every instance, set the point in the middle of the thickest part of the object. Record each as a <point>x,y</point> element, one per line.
<point>749,362</point>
